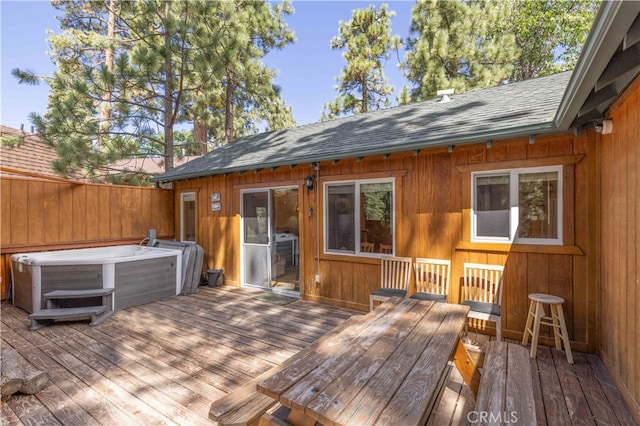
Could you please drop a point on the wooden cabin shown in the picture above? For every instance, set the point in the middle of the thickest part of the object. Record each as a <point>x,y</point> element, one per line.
<point>541,176</point>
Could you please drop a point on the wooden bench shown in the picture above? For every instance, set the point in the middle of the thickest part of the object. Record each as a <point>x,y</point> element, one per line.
<point>505,393</point>
<point>243,406</point>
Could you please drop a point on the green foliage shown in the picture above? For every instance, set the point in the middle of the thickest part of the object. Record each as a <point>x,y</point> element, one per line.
<point>467,45</point>
<point>404,97</point>
<point>129,72</point>
<point>244,95</point>
<point>549,34</point>
<point>12,141</point>
<point>454,44</point>
<point>366,40</point>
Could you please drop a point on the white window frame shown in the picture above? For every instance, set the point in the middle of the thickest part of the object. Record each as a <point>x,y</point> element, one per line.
<point>187,196</point>
<point>514,212</point>
<point>357,225</point>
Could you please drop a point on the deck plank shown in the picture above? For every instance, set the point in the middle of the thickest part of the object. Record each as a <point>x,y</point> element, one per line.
<point>555,406</point>
<point>9,417</point>
<point>537,393</point>
<point>133,349</point>
<point>163,363</point>
<point>85,396</point>
<point>577,405</point>
<point>594,395</point>
<point>31,411</point>
<point>614,397</point>
<point>189,363</point>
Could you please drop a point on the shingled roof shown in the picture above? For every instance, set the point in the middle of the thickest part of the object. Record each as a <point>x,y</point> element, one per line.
<point>511,110</point>
<point>33,156</point>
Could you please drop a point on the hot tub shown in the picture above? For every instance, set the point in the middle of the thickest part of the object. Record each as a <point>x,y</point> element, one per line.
<point>138,274</point>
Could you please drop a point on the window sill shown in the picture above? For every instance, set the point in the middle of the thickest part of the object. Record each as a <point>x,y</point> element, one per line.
<point>351,258</point>
<point>519,248</point>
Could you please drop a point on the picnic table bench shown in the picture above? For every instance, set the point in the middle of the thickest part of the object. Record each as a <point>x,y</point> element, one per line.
<point>505,394</point>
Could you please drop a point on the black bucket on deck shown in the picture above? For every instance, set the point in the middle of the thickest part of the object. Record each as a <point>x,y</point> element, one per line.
<point>215,277</point>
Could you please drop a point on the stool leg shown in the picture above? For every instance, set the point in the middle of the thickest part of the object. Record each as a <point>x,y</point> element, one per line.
<point>536,329</point>
<point>527,327</point>
<point>556,326</point>
<point>565,335</point>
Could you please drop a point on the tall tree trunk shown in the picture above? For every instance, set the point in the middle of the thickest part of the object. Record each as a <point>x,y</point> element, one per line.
<point>168,100</point>
<point>105,106</point>
<point>200,137</point>
<point>365,95</point>
<point>228,108</point>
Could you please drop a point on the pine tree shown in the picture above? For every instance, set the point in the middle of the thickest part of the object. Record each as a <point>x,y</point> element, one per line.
<point>367,42</point>
<point>457,44</point>
<point>169,61</point>
<point>78,116</point>
<point>248,95</point>
<point>549,34</point>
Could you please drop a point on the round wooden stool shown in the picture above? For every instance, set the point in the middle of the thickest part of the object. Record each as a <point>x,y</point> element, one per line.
<point>536,317</point>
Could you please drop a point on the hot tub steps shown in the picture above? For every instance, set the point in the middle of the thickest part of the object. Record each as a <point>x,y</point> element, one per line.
<point>77,294</point>
<point>46,316</point>
<point>53,313</point>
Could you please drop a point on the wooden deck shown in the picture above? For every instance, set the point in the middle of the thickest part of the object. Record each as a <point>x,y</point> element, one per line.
<point>165,362</point>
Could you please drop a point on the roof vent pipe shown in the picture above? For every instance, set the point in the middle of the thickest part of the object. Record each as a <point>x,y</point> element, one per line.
<point>444,95</point>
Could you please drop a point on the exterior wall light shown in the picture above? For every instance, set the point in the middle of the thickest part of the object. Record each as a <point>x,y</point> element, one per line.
<point>308,182</point>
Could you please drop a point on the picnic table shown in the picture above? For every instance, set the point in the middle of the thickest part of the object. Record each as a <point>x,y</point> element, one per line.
<point>386,367</point>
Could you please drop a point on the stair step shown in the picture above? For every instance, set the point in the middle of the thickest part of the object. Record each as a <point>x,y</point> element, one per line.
<point>66,313</point>
<point>78,294</point>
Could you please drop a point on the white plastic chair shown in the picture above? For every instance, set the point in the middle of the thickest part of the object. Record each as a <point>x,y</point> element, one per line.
<point>432,278</point>
<point>395,274</point>
<point>482,292</point>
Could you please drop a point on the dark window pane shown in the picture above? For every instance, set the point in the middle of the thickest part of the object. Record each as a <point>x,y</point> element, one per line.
<point>341,218</point>
<point>492,206</point>
<point>377,214</point>
<point>538,204</point>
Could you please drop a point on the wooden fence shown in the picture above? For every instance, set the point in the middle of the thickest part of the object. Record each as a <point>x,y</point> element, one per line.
<point>43,214</point>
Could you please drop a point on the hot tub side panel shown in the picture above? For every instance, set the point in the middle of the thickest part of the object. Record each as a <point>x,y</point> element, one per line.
<point>71,277</point>
<point>22,280</point>
<point>144,281</point>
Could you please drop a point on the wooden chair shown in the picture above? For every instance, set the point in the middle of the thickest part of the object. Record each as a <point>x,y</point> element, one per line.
<point>366,247</point>
<point>386,248</point>
<point>432,278</point>
<point>482,292</point>
<point>395,274</point>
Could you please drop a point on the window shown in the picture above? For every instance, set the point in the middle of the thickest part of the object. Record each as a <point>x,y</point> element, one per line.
<point>359,217</point>
<point>521,205</point>
<point>188,216</point>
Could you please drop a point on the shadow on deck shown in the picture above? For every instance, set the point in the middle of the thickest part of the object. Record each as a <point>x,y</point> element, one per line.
<point>165,362</point>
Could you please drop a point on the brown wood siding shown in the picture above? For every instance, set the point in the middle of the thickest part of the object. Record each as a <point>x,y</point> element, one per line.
<point>620,245</point>
<point>433,200</point>
<point>40,215</point>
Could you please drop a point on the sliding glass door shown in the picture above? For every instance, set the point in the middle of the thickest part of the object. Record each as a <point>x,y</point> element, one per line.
<point>270,239</point>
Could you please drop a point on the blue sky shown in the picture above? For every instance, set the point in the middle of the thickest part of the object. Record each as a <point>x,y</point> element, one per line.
<point>307,68</point>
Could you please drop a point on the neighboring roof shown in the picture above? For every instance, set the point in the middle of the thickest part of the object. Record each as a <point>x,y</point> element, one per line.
<point>511,110</point>
<point>609,62</point>
<point>147,165</point>
<point>32,157</point>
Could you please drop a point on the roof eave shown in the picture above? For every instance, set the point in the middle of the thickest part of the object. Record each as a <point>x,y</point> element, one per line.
<point>409,145</point>
<point>610,26</point>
